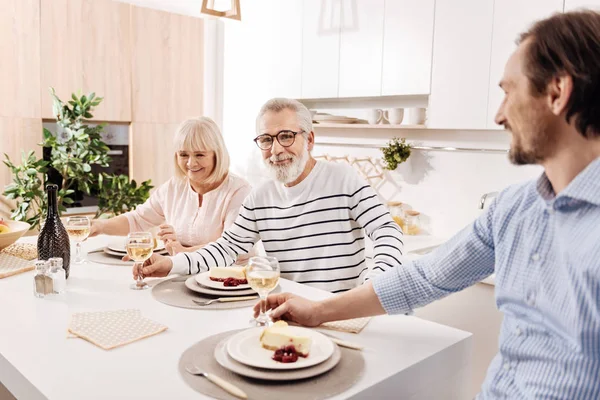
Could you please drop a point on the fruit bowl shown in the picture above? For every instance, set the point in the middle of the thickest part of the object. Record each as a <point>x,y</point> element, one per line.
<point>16,230</point>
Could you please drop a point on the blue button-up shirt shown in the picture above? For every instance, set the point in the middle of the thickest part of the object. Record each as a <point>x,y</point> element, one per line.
<point>545,251</point>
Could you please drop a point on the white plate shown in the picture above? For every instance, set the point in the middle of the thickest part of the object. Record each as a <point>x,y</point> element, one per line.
<point>245,347</point>
<point>191,284</point>
<point>204,280</point>
<point>119,245</point>
<point>121,254</point>
<point>229,363</point>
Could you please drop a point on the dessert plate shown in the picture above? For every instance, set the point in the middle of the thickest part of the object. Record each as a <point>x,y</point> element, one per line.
<point>192,284</point>
<point>204,280</point>
<point>245,347</point>
<point>225,360</point>
<point>121,254</point>
<point>119,246</point>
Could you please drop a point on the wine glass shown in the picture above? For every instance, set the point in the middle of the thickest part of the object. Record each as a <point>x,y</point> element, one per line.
<point>262,274</point>
<point>78,228</point>
<point>139,248</point>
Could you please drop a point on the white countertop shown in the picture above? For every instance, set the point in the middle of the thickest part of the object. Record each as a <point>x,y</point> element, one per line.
<point>403,354</point>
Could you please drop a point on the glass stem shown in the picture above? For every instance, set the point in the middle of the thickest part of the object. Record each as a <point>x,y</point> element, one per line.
<point>139,266</point>
<point>78,252</point>
<point>263,307</point>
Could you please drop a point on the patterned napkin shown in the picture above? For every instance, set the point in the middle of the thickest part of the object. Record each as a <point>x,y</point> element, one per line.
<point>349,325</point>
<point>10,265</point>
<point>26,251</point>
<point>110,329</point>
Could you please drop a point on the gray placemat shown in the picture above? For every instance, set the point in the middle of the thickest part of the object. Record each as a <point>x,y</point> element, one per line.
<point>336,381</point>
<point>101,257</point>
<point>173,292</point>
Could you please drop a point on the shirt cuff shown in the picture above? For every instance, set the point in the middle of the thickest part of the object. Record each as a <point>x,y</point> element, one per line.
<point>389,287</point>
<point>181,264</point>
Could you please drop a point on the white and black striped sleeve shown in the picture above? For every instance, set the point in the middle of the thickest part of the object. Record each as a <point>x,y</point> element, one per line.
<point>235,241</point>
<point>386,235</point>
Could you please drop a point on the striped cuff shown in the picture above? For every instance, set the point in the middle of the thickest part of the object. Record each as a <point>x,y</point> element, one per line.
<point>181,264</point>
<point>389,287</point>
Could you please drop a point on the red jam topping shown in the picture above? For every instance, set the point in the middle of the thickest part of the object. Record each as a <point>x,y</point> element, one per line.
<point>230,281</point>
<point>287,354</point>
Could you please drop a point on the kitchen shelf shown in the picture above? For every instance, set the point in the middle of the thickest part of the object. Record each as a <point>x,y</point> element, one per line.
<point>366,126</point>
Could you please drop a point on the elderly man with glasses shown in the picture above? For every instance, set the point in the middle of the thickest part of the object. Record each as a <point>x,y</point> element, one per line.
<point>312,216</point>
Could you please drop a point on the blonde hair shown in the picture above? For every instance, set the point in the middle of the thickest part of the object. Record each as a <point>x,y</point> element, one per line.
<point>200,134</point>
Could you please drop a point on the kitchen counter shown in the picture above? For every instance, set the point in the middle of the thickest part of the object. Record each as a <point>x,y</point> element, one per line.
<point>403,355</point>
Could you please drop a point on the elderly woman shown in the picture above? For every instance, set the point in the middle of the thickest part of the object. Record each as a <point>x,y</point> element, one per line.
<point>195,206</point>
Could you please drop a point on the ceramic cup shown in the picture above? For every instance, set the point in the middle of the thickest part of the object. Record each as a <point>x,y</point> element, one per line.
<point>375,116</point>
<point>416,116</point>
<point>395,115</point>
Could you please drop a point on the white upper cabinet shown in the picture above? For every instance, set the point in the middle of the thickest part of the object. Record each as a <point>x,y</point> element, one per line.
<point>320,49</point>
<point>571,5</point>
<point>407,47</point>
<point>508,24</point>
<point>461,64</point>
<point>361,47</point>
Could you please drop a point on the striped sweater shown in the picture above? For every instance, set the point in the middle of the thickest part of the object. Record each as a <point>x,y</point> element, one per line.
<point>315,229</point>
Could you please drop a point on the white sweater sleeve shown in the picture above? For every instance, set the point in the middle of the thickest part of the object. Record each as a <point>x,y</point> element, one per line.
<point>376,220</point>
<point>235,241</point>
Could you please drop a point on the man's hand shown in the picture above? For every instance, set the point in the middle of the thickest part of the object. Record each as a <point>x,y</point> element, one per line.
<point>156,266</point>
<point>293,308</point>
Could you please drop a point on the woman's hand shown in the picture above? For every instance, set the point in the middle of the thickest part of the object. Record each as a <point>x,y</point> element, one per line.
<point>174,247</point>
<point>96,226</point>
<point>167,233</point>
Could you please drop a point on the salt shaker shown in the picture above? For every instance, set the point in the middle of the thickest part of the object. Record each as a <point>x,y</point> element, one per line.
<point>58,275</point>
<point>42,282</point>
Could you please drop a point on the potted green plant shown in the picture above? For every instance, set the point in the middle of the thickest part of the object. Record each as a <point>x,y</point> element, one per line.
<point>72,155</point>
<point>395,153</point>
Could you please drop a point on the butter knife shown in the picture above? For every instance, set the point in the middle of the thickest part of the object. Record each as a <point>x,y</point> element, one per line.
<point>222,383</point>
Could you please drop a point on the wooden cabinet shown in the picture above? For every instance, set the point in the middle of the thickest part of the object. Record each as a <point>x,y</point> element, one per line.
<point>407,47</point>
<point>20,58</point>
<point>461,64</point>
<point>151,152</point>
<point>320,49</point>
<point>85,45</point>
<point>167,66</point>
<point>508,24</point>
<point>571,5</point>
<point>361,48</point>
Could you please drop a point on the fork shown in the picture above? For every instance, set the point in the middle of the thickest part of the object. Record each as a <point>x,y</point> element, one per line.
<point>222,383</point>
<point>224,300</point>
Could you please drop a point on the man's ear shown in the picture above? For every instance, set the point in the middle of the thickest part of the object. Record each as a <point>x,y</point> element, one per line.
<point>311,140</point>
<point>559,91</point>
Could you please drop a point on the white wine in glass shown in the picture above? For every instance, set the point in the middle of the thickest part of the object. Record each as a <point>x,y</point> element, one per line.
<point>78,229</point>
<point>139,248</point>
<point>262,274</point>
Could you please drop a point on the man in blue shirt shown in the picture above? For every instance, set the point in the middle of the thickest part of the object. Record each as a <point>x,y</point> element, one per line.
<point>541,238</point>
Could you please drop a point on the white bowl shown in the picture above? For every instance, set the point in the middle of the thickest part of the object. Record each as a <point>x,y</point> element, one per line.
<point>17,229</point>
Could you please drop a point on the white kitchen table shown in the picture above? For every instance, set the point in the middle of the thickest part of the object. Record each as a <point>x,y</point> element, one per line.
<point>405,357</point>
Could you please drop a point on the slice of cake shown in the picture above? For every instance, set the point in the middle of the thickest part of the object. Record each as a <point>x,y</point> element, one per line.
<point>230,276</point>
<point>287,346</point>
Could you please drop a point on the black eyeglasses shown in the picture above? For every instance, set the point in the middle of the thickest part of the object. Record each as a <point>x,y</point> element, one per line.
<point>285,138</point>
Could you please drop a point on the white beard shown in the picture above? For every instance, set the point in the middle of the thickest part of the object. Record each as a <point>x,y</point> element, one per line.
<point>287,173</point>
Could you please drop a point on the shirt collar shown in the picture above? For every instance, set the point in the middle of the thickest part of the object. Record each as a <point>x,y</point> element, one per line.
<point>585,186</point>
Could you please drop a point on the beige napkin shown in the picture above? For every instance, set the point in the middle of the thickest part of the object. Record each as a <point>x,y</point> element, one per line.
<point>110,329</point>
<point>10,265</point>
<point>26,251</point>
<point>349,325</point>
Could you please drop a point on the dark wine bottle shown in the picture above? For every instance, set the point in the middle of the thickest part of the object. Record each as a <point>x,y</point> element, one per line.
<point>53,240</point>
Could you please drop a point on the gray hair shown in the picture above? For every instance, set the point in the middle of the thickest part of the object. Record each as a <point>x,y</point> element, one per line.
<point>279,104</point>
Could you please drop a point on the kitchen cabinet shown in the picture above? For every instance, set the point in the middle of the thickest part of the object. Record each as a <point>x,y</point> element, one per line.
<point>571,5</point>
<point>361,48</point>
<point>167,66</point>
<point>407,47</point>
<point>20,59</point>
<point>85,45</point>
<point>507,26</point>
<point>321,49</point>
<point>151,152</point>
<point>461,64</point>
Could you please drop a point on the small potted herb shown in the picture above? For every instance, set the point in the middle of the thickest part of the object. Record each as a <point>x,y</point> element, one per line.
<point>396,152</point>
